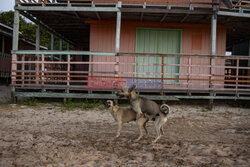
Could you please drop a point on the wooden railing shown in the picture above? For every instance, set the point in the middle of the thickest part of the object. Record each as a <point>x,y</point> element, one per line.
<point>5,65</point>
<point>194,73</point>
<point>241,4</point>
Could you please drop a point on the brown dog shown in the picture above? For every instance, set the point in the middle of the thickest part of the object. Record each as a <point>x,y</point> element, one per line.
<point>143,106</point>
<point>125,115</point>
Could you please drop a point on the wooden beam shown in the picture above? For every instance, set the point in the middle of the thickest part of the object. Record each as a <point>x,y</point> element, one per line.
<point>233,14</point>
<point>37,21</point>
<point>68,9</point>
<point>46,52</point>
<point>184,18</point>
<point>98,15</point>
<point>113,96</point>
<point>153,10</point>
<point>164,17</point>
<point>77,15</point>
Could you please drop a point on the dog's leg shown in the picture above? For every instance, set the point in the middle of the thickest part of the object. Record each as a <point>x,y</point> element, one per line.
<point>141,122</point>
<point>159,122</point>
<point>162,132</point>
<point>145,127</point>
<point>137,109</point>
<point>119,128</point>
<point>157,129</point>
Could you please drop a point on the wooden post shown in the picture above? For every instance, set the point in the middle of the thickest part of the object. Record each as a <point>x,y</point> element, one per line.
<point>213,49</point>
<point>212,63</point>
<point>52,41</point>
<point>14,56</point>
<point>117,42</point>
<point>13,77</point>
<point>38,38</point>
<point>37,49</point>
<point>60,48</point>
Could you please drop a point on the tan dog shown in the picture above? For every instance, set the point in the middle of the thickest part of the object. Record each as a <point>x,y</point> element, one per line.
<point>125,115</point>
<point>145,107</point>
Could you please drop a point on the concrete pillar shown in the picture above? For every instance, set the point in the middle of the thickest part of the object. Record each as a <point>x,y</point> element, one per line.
<point>213,34</point>
<point>118,32</point>
<point>15,39</point>
<point>15,30</point>
<point>213,53</point>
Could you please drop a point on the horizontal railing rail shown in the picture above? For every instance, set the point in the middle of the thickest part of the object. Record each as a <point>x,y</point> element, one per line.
<point>162,2</point>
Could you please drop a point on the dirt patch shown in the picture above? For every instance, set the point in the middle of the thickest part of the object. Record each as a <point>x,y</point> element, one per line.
<point>45,136</point>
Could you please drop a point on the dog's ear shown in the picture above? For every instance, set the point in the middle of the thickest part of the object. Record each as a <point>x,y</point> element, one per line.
<point>131,88</point>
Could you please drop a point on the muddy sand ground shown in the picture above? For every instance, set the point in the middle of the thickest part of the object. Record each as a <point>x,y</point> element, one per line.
<point>43,135</point>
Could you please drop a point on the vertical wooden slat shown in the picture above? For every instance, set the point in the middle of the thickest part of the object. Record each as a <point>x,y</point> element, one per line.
<point>13,77</point>
<point>212,63</point>
<point>30,59</point>
<point>91,65</point>
<point>162,75</point>
<point>237,75</point>
<point>68,73</point>
<point>23,68</point>
<point>13,69</point>
<point>189,72</point>
<point>43,69</point>
<point>37,69</point>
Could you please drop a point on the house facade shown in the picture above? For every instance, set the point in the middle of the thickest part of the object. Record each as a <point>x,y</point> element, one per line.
<point>168,49</point>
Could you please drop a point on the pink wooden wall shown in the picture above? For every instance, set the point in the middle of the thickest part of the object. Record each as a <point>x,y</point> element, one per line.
<point>195,40</point>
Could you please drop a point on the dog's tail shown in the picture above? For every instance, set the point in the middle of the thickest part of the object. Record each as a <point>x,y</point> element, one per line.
<point>165,109</point>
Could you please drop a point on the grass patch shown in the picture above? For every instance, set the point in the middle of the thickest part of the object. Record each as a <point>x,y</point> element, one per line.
<point>29,102</point>
<point>86,104</point>
<point>204,110</point>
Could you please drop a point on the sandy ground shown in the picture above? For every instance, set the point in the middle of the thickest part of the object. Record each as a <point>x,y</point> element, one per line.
<point>45,136</point>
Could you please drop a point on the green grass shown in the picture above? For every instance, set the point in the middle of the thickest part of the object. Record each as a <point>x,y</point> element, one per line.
<point>29,102</point>
<point>86,104</point>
